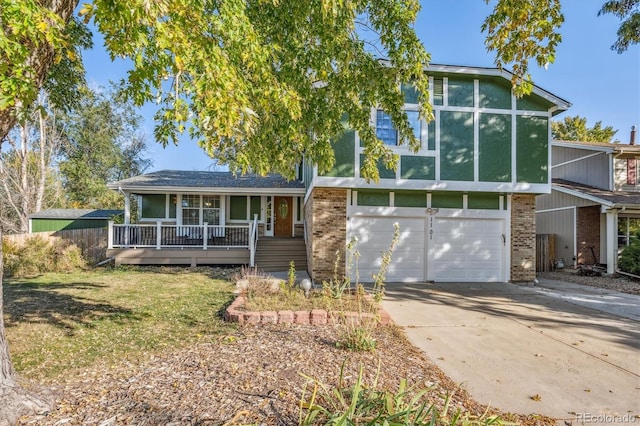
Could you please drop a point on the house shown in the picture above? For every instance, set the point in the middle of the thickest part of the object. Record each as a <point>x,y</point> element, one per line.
<point>62,219</point>
<point>594,205</point>
<point>464,203</point>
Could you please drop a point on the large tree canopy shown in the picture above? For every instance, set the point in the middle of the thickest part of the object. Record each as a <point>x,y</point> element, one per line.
<point>262,83</point>
<point>576,129</point>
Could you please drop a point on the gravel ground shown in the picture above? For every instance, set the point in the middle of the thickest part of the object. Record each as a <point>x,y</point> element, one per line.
<point>617,282</point>
<point>252,376</point>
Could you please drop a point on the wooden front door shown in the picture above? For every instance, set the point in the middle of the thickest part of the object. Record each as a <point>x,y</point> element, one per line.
<point>283,212</point>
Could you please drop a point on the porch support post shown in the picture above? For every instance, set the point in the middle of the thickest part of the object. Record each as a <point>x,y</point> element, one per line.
<point>612,238</point>
<point>158,235</point>
<point>110,235</point>
<point>205,235</point>
<point>127,208</point>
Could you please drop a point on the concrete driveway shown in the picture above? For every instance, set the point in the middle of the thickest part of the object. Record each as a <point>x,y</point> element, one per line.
<point>529,349</point>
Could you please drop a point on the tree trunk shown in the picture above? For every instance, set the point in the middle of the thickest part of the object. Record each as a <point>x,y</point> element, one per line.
<point>16,401</point>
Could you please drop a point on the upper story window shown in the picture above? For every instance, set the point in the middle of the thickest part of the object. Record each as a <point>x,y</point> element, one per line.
<point>385,130</point>
<point>387,133</point>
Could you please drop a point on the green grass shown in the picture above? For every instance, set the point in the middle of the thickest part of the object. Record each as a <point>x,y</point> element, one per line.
<point>56,323</point>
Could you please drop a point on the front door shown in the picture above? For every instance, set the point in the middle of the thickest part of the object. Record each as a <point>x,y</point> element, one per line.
<point>283,213</point>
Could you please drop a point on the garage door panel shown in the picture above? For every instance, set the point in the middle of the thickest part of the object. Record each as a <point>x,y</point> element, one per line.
<point>467,250</point>
<point>374,238</point>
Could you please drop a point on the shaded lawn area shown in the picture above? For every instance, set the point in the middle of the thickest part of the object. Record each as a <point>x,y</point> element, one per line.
<point>56,323</point>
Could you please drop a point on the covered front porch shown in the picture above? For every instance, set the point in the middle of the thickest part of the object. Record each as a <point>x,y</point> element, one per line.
<point>196,218</point>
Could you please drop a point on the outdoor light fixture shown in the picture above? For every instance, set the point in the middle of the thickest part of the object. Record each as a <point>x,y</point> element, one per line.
<point>306,285</point>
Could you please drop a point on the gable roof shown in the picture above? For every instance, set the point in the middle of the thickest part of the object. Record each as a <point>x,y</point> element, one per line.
<point>560,105</point>
<point>203,181</point>
<point>606,198</point>
<point>72,214</point>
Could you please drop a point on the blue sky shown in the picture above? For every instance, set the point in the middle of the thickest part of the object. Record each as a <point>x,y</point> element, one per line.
<point>600,84</point>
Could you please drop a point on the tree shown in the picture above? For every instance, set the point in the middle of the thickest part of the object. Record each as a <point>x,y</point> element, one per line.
<point>575,129</point>
<point>27,177</point>
<point>629,13</point>
<point>100,145</point>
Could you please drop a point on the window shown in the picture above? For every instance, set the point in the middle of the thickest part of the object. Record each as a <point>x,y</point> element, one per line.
<point>438,91</point>
<point>385,130</point>
<point>628,230</point>
<point>197,209</point>
<point>191,210</point>
<point>211,209</point>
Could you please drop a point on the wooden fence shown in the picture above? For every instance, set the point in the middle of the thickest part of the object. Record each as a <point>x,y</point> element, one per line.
<point>92,242</point>
<point>545,252</point>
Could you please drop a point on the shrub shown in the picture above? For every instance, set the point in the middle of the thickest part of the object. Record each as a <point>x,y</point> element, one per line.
<point>37,256</point>
<point>630,258</point>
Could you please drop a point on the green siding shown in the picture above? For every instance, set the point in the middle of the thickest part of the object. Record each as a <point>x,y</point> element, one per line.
<point>373,198</point>
<point>417,167</point>
<point>410,93</point>
<point>153,206</point>
<point>447,200</point>
<point>384,172</point>
<point>172,205</point>
<point>344,149</point>
<point>410,199</point>
<point>456,146</point>
<point>431,135</point>
<point>480,200</point>
<point>532,154</point>
<point>460,92</point>
<point>494,156</point>
<point>533,102</point>
<point>238,207</point>
<point>256,206</point>
<point>495,94</point>
<point>44,225</point>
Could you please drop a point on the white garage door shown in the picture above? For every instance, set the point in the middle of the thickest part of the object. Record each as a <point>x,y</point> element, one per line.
<point>467,250</point>
<point>374,236</point>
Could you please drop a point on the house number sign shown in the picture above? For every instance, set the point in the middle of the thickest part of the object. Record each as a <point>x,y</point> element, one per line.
<point>430,227</point>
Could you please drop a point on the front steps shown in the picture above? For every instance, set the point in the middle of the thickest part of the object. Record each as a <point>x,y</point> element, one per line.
<point>274,254</point>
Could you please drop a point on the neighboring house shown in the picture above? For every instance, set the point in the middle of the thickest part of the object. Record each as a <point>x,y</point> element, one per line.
<point>63,219</point>
<point>464,202</point>
<point>594,204</point>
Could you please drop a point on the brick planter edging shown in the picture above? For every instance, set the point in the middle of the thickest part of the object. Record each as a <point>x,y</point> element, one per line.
<point>315,316</point>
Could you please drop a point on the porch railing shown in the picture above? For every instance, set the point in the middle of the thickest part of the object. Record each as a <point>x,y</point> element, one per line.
<point>178,236</point>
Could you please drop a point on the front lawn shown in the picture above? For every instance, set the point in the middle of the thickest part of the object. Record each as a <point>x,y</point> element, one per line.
<point>57,323</point>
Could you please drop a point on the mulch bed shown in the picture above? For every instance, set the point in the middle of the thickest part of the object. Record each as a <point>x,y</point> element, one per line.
<point>252,376</point>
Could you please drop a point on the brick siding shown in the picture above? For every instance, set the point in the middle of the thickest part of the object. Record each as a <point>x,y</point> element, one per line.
<point>588,234</point>
<point>523,237</point>
<point>325,215</point>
